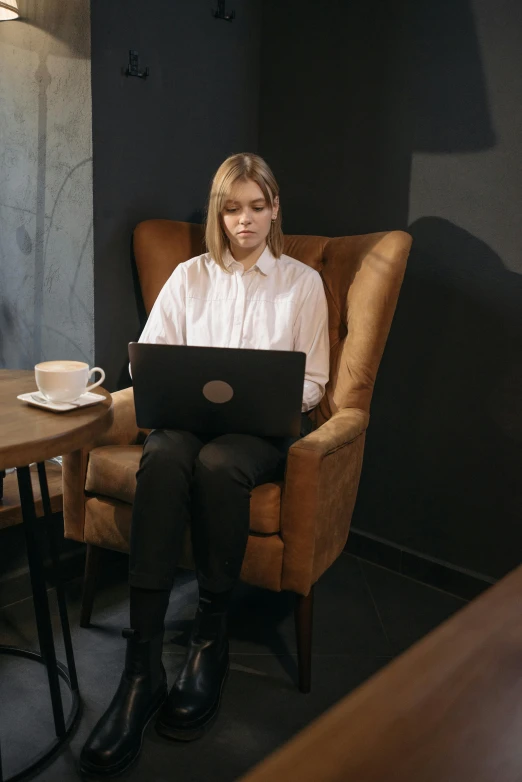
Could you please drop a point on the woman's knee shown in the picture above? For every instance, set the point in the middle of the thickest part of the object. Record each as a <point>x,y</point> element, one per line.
<point>224,458</point>
<point>166,449</point>
<point>216,457</point>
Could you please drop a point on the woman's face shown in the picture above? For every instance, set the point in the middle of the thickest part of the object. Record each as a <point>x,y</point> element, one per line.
<point>247,217</point>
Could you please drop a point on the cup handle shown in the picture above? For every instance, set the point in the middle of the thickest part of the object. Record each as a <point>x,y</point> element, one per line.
<point>98,382</point>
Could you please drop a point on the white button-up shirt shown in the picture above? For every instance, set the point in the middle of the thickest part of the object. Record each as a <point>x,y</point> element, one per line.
<point>278,304</point>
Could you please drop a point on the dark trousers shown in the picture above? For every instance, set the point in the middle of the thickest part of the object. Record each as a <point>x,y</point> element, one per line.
<point>204,481</point>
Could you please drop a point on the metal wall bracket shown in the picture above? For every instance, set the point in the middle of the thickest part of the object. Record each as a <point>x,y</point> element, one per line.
<point>221,13</point>
<point>133,68</point>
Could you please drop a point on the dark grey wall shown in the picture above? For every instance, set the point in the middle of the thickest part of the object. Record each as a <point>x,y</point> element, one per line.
<point>374,116</point>
<point>408,115</point>
<point>158,141</point>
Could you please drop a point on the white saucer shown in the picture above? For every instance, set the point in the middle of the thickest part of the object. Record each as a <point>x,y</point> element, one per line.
<point>37,400</point>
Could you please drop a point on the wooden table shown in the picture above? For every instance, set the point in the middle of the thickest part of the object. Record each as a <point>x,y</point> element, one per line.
<point>447,710</point>
<point>31,435</point>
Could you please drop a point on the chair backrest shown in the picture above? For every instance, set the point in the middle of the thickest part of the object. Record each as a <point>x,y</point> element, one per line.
<point>362,276</point>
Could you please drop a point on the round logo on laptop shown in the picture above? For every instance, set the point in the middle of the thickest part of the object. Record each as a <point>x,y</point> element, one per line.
<point>218,391</point>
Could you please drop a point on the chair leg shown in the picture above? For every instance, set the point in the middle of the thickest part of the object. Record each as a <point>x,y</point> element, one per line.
<point>304,612</point>
<point>92,569</point>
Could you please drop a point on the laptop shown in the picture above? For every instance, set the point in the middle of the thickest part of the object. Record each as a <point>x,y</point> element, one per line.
<point>218,390</point>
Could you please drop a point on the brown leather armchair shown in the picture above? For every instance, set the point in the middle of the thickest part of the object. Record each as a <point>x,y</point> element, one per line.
<point>299,527</point>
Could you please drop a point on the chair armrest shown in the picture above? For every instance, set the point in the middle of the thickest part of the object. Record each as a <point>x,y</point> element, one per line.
<point>123,431</point>
<point>322,477</point>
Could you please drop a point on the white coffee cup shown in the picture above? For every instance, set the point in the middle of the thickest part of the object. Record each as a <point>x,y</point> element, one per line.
<point>65,381</point>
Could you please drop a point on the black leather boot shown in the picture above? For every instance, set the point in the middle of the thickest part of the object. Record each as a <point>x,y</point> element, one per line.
<point>115,741</point>
<point>195,697</point>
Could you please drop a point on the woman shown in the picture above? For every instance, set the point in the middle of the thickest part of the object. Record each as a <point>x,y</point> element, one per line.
<point>243,293</point>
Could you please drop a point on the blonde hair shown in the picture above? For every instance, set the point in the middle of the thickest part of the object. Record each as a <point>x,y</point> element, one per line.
<point>243,166</point>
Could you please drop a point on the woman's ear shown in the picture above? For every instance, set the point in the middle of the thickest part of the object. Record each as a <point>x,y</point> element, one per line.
<point>275,208</point>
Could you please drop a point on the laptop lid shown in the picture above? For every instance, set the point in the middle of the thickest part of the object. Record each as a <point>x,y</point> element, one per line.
<point>218,390</point>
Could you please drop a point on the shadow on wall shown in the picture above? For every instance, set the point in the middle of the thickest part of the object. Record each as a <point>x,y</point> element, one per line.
<point>446,433</point>
<point>65,35</point>
<point>442,77</point>
<point>346,105</point>
<point>347,102</point>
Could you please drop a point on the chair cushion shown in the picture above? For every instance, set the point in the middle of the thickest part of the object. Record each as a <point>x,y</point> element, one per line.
<point>111,472</point>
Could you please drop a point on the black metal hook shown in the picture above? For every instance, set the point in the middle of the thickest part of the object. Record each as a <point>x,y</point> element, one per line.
<point>220,12</point>
<point>133,68</point>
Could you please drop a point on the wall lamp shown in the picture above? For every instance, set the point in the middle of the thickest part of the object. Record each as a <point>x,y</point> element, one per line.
<point>9,10</point>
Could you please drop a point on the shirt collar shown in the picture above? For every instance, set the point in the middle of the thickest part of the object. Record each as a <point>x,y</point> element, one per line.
<point>265,263</point>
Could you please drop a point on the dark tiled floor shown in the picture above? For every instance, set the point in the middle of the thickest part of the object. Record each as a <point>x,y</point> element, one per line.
<point>364,616</point>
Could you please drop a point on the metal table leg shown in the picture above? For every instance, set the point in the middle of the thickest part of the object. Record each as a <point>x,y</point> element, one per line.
<point>47,655</point>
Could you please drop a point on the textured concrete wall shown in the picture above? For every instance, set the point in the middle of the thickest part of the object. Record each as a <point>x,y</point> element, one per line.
<point>46,252</point>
